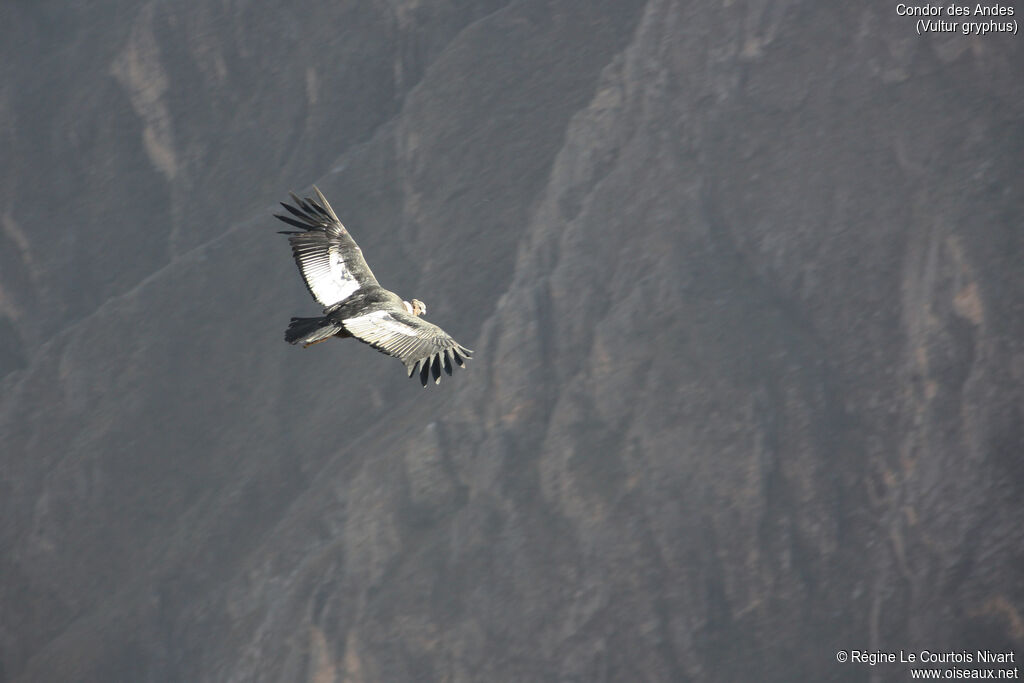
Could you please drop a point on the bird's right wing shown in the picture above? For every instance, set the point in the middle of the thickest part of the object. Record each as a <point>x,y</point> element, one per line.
<point>411,340</point>
<point>330,261</point>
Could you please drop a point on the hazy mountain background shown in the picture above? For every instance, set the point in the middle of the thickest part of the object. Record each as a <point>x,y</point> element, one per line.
<point>744,280</point>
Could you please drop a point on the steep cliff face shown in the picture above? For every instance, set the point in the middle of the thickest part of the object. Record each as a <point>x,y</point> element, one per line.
<point>135,131</point>
<point>745,306</point>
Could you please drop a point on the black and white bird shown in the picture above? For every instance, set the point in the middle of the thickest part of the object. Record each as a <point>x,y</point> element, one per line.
<point>355,305</point>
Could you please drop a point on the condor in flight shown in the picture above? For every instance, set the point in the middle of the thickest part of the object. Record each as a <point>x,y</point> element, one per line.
<point>355,305</point>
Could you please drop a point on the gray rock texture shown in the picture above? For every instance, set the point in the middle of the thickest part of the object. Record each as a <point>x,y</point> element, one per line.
<point>744,282</point>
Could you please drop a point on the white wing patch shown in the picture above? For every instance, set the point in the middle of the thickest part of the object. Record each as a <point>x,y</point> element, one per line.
<point>324,270</point>
<point>379,327</point>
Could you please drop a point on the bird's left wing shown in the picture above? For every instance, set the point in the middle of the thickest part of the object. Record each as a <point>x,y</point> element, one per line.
<point>411,340</point>
<point>330,261</point>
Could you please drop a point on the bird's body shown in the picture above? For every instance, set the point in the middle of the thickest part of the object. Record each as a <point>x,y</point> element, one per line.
<point>355,305</point>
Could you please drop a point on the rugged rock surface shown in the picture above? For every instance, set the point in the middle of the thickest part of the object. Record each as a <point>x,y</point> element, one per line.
<point>744,285</point>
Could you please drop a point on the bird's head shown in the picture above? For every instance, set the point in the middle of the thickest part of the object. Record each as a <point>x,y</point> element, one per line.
<point>416,307</point>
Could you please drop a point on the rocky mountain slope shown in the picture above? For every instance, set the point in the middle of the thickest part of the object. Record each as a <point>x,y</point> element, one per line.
<point>743,282</point>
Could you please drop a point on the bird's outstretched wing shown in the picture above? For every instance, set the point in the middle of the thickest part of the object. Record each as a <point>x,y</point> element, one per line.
<point>412,340</point>
<point>331,262</point>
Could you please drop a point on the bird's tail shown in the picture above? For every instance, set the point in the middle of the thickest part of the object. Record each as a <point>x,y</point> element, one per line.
<point>308,331</point>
